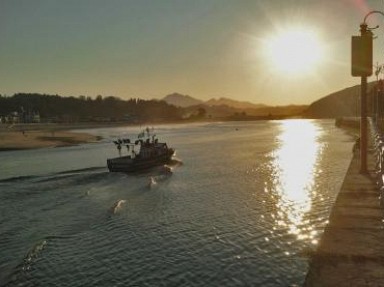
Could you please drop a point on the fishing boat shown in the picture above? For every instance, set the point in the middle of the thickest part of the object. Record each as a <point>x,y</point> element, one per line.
<point>144,153</point>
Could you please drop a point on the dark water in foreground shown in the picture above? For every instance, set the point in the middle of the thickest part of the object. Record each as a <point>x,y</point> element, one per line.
<point>245,204</point>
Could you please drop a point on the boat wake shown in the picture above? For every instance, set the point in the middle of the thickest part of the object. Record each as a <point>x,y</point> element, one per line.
<point>54,176</point>
<point>117,206</point>
<point>82,170</point>
<point>33,254</point>
<point>23,269</point>
<point>17,178</point>
<point>152,182</point>
<point>175,162</point>
<point>164,173</point>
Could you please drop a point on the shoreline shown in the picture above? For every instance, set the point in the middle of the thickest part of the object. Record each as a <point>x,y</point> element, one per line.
<point>14,137</point>
<point>33,136</point>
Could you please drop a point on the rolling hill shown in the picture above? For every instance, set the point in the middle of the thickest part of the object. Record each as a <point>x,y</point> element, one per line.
<point>180,100</point>
<point>224,107</point>
<point>343,103</point>
<point>233,103</point>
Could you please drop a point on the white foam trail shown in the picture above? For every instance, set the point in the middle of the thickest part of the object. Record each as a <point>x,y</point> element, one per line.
<point>164,173</point>
<point>167,169</point>
<point>176,162</point>
<point>117,206</point>
<point>33,253</point>
<point>152,182</point>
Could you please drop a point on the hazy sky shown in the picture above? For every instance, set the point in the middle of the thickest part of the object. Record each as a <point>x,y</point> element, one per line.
<point>150,48</point>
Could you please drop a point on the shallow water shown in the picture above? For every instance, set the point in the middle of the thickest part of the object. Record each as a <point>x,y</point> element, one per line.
<point>245,205</point>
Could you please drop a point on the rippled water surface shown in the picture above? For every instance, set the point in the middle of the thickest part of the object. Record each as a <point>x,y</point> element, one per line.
<point>245,205</point>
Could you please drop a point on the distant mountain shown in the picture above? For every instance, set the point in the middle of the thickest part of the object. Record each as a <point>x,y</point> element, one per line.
<point>233,104</point>
<point>343,103</point>
<point>180,100</point>
<point>224,107</point>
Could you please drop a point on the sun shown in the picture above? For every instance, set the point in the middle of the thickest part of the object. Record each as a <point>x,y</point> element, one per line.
<point>293,51</point>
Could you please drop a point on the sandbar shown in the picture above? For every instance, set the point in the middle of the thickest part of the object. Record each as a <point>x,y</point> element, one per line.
<point>31,136</point>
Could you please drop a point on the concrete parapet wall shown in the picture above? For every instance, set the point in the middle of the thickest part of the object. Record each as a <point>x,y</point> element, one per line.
<point>351,250</point>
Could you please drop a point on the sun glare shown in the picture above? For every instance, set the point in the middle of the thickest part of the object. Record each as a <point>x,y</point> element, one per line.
<point>295,168</point>
<point>294,51</point>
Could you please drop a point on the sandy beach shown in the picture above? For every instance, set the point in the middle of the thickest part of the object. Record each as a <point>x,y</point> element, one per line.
<point>30,136</point>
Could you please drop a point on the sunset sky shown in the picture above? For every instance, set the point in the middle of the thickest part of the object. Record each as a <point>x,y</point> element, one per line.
<point>203,48</point>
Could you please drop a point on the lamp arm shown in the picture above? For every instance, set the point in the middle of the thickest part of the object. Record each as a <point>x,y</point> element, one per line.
<point>370,13</point>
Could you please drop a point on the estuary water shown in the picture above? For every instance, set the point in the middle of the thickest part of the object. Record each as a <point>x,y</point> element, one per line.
<point>245,205</point>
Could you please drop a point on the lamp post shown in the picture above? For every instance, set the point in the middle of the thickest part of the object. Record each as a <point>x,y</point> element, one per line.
<point>363,111</point>
<point>362,67</point>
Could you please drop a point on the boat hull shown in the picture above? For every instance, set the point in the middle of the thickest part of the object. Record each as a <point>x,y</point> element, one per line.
<point>127,164</point>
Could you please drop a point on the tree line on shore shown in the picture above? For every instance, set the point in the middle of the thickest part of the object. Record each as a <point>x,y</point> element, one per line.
<point>74,109</point>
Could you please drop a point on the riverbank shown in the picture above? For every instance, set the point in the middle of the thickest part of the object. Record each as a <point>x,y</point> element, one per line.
<point>40,135</point>
<point>31,136</point>
<point>351,250</point>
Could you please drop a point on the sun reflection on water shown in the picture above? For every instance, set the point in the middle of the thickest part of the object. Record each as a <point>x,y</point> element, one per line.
<point>294,167</point>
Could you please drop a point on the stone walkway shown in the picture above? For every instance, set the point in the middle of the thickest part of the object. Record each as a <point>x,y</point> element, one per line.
<point>351,250</point>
